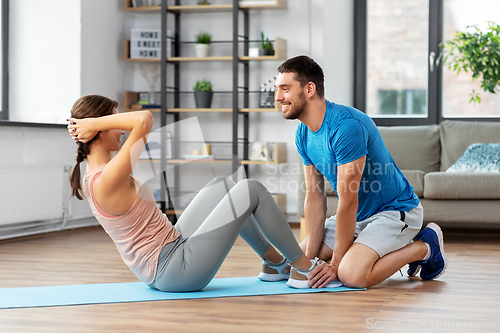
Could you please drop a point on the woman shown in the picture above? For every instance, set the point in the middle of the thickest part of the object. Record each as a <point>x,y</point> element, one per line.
<point>185,257</point>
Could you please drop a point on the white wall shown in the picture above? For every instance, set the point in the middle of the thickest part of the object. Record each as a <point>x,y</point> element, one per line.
<point>104,30</point>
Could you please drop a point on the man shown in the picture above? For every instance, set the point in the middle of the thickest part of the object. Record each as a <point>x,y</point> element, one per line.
<point>378,215</point>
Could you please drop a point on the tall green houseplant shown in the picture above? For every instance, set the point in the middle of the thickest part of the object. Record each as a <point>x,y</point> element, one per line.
<point>478,52</point>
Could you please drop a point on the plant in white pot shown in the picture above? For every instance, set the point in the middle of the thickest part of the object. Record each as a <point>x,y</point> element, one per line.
<point>203,94</point>
<point>202,46</point>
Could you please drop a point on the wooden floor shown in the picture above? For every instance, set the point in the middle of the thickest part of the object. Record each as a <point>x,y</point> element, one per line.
<point>465,299</point>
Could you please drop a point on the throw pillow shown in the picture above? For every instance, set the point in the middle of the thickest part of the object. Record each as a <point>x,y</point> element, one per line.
<point>478,157</point>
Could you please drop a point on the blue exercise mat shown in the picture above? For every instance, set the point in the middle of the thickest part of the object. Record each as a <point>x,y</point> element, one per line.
<point>139,292</point>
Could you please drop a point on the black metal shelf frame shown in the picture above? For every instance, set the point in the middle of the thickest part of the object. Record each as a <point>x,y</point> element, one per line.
<point>236,88</point>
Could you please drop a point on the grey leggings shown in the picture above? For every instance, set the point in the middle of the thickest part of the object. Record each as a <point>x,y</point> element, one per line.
<point>210,225</point>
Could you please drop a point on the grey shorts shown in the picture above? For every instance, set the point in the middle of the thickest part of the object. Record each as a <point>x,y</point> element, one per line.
<point>384,232</point>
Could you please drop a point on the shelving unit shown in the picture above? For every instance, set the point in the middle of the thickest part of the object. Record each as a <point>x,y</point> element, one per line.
<point>280,54</point>
<point>279,152</point>
<point>239,107</point>
<point>279,4</point>
<point>132,99</point>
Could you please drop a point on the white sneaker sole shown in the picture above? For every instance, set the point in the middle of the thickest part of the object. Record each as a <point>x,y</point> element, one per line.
<point>273,277</point>
<point>439,233</point>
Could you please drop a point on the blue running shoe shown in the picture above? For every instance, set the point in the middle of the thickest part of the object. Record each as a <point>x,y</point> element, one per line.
<point>414,268</point>
<point>435,266</point>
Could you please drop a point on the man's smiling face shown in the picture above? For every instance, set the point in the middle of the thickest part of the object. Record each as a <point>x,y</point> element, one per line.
<point>291,95</point>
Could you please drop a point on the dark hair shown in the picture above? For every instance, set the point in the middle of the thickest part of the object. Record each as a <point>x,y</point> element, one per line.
<point>91,106</point>
<point>306,70</point>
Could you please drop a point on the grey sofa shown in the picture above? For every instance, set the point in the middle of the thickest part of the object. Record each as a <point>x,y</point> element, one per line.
<point>423,153</point>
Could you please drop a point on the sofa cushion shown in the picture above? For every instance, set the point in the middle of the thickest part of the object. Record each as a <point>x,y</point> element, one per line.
<point>454,185</point>
<point>466,213</point>
<point>456,136</point>
<point>416,179</point>
<point>413,147</point>
<point>478,157</point>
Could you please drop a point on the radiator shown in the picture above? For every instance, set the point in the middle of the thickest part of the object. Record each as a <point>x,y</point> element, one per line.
<point>32,193</point>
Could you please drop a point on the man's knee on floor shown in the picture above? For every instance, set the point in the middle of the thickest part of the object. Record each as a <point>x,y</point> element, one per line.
<point>352,277</point>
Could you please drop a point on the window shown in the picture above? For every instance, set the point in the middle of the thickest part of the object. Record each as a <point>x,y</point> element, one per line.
<point>397,80</point>
<point>397,40</point>
<point>458,14</point>
<point>4,24</point>
<point>406,102</point>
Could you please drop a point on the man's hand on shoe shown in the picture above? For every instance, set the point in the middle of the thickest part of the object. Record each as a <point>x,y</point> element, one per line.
<point>322,275</point>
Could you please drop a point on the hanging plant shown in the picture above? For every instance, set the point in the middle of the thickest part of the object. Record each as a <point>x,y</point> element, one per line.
<point>478,52</point>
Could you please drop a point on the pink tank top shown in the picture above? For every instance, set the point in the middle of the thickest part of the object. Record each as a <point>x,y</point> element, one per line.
<point>140,233</point>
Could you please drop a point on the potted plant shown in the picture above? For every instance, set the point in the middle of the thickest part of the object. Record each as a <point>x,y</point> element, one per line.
<point>203,94</point>
<point>478,51</point>
<point>266,47</point>
<point>202,46</point>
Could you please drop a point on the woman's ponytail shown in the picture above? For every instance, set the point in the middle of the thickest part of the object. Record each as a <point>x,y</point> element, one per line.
<point>91,106</point>
<point>75,176</point>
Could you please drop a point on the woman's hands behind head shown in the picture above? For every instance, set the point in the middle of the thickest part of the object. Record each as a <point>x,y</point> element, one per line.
<point>80,129</point>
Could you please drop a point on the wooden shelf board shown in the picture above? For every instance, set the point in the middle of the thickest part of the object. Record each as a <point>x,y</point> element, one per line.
<point>201,110</point>
<point>200,8</point>
<point>179,59</point>
<point>260,110</point>
<point>257,162</point>
<point>127,58</point>
<point>145,9</point>
<point>279,4</point>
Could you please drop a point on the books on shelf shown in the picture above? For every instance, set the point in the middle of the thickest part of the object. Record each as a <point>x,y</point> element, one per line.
<point>146,3</point>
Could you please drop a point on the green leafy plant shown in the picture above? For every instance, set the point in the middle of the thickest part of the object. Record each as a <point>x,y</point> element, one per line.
<point>265,43</point>
<point>203,2</point>
<point>203,38</point>
<point>202,85</point>
<point>478,52</point>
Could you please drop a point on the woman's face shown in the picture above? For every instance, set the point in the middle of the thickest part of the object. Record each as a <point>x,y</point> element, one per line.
<point>112,138</point>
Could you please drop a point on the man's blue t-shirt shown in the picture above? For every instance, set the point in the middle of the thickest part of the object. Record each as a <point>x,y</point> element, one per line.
<point>345,135</point>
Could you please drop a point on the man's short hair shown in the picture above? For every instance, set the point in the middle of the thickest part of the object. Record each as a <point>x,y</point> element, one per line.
<point>306,70</point>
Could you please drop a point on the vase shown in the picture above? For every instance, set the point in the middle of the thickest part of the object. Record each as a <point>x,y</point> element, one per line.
<point>152,95</point>
<point>202,50</point>
<point>203,99</point>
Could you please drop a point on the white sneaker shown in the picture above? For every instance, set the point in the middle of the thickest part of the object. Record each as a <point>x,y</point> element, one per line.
<point>299,278</point>
<point>272,272</point>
